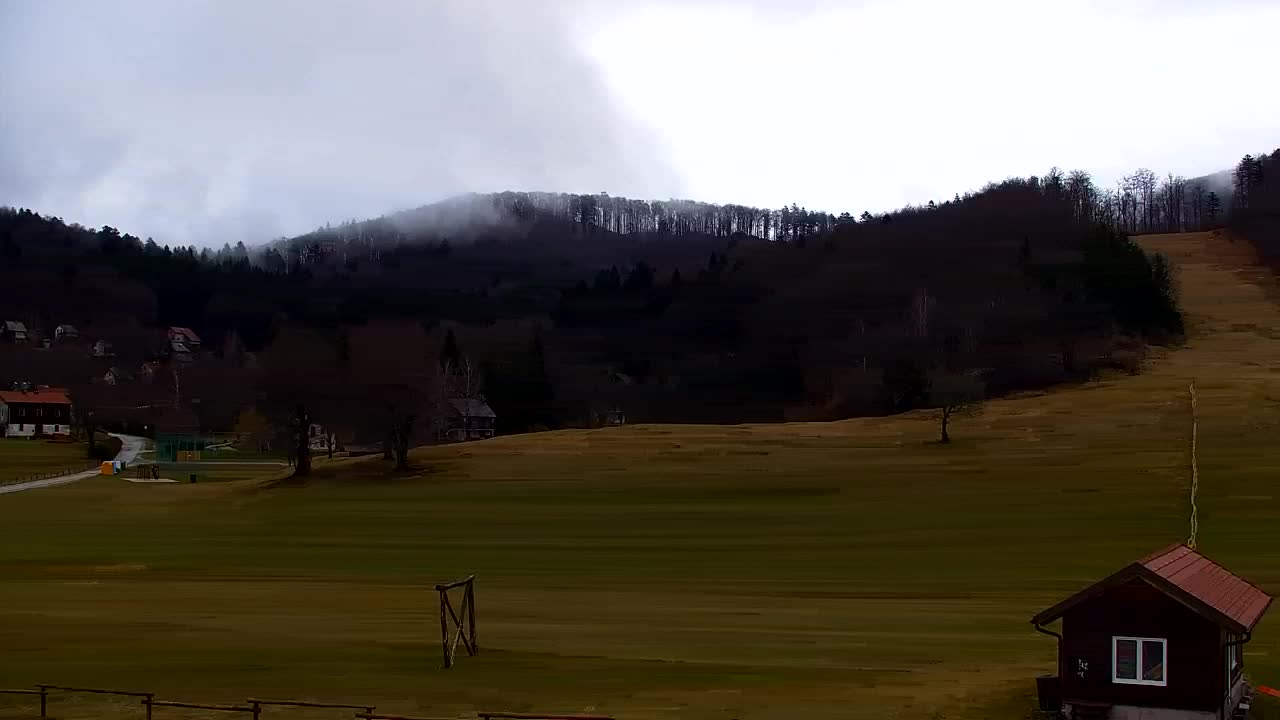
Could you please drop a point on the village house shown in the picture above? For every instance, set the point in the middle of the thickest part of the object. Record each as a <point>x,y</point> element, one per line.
<point>321,438</point>
<point>66,333</point>
<point>34,413</point>
<point>184,340</point>
<point>1161,639</point>
<point>148,371</point>
<point>467,419</point>
<point>14,332</point>
<point>115,376</point>
<point>102,348</point>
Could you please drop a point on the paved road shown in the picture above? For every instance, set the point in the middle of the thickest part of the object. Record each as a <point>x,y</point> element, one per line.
<point>129,449</point>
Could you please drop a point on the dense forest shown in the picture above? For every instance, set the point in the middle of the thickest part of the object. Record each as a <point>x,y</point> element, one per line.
<point>561,307</point>
<point>1255,203</point>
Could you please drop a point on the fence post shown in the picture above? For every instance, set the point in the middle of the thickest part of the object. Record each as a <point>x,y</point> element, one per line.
<point>471,606</point>
<point>257,709</point>
<point>444,627</point>
<point>44,697</point>
<point>147,701</point>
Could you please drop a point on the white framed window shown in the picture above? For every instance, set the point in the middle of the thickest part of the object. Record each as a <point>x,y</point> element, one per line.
<point>1139,661</point>
<point>1235,658</point>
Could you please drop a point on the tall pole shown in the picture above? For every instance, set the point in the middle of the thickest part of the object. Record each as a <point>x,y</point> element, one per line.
<point>1195,471</point>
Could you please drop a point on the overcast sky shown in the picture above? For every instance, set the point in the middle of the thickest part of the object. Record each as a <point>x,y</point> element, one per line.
<point>211,121</point>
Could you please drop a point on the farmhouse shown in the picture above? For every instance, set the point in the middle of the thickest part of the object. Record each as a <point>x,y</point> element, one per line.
<point>14,331</point>
<point>33,413</point>
<point>115,376</point>
<point>320,437</point>
<point>1159,640</point>
<point>186,337</point>
<point>64,333</point>
<point>467,419</point>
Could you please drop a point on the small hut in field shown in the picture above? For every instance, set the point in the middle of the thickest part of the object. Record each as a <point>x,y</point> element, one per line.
<point>1161,639</point>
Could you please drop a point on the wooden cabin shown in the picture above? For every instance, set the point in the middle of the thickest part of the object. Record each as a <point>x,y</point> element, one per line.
<point>1162,639</point>
<point>467,419</point>
<point>14,331</point>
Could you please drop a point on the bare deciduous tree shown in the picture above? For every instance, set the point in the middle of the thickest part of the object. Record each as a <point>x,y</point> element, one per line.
<point>301,382</point>
<point>395,384</point>
<point>953,393</point>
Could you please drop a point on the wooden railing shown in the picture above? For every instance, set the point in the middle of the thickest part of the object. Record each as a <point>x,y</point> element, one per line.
<point>257,704</point>
<point>44,695</point>
<point>373,716</point>
<point>201,706</point>
<point>75,470</point>
<point>536,716</point>
<point>254,706</point>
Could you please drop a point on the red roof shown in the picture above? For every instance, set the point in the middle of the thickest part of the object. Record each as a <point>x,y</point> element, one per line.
<point>1189,577</point>
<point>188,332</point>
<point>40,397</point>
<point>1209,583</point>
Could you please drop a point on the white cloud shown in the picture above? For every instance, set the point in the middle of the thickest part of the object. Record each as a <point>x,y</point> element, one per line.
<point>874,105</point>
<point>214,122</point>
<point>224,120</point>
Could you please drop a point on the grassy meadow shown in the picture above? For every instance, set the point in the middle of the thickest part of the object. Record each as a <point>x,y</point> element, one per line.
<point>222,471</point>
<point>839,570</point>
<point>20,458</point>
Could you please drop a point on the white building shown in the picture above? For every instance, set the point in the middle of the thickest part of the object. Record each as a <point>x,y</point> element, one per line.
<point>34,413</point>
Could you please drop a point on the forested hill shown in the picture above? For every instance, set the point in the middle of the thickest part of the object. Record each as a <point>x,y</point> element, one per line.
<point>674,311</point>
<point>1255,203</point>
<point>589,213</point>
<point>543,237</point>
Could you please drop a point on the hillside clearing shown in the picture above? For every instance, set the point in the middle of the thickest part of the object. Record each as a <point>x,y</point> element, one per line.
<point>851,570</point>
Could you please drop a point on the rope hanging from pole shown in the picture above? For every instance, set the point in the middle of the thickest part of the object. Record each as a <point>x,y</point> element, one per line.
<point>1195,471</point>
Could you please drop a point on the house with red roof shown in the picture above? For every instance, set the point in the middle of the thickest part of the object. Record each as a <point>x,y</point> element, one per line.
<point>1160,639</point>
<point>34,413</point>
<point>186,337</point>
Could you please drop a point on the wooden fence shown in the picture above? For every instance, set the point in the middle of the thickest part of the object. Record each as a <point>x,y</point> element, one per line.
<point>41,693</point>
<point>201,706</point>
<point>536,716</point>
<point>44,696</point>
<point>373,716</point>
<point>51,474</point>
<point>258,704</point>
<point>253,707</point>
<point>455,629</point>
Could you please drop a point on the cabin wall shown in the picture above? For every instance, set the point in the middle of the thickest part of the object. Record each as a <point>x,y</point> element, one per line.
<point>1235,682</point>
<point>1194,657</point>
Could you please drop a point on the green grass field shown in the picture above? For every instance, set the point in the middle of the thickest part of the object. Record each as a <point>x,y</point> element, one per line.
<point>21,458</point>
<point>843,570</point>
<point>222,471</point>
